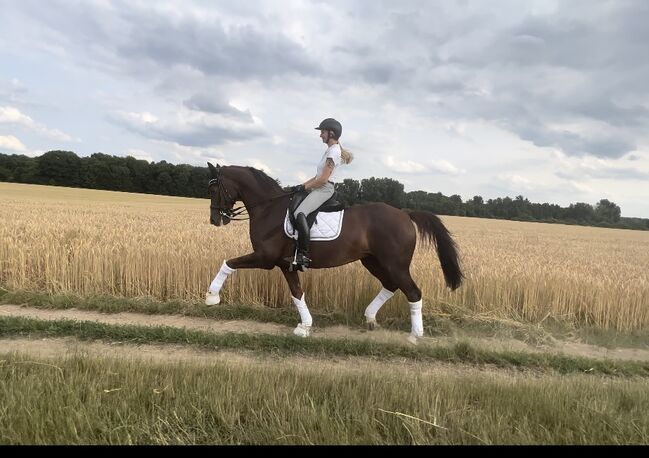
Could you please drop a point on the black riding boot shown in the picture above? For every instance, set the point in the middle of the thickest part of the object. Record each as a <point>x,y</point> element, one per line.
<point>302,257</point>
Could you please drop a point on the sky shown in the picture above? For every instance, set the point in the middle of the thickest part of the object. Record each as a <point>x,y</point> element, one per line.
<point>545,99</point>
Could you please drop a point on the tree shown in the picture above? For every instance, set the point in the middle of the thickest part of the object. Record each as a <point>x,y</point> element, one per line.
<point>475,206</point>
<point>103,171</point>
<point>348,191</point>
<point>580,212</point>
<point>382,190</point>
<point>607,211</point>
<point>59,168</point>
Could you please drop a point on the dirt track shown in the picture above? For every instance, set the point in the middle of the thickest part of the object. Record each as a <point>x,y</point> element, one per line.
<point>572,348</point>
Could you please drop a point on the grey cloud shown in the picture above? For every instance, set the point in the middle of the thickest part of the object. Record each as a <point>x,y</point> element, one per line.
<point>527,75</point>
<point>615,173</point>
<point>215,103</point>
<point>379,73</point>
<point>584,64</point>
<point>200,133</point>
<point>240,52</point>
<point>575,144</point>
<point>126,36</point>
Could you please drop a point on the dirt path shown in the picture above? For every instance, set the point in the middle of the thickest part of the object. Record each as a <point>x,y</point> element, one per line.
<point>54,348</point>
<point>571,348</point>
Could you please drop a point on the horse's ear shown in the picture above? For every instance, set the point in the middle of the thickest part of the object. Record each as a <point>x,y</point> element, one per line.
<point>212,169</point>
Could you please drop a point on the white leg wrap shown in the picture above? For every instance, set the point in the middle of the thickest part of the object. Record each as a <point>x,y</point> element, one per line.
<point>380,299</point>
<point>218,281</point>
<point>416,319</point>
<point>302,309</point>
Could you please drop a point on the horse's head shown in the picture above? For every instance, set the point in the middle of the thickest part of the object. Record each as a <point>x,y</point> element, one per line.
<point>223,195</point>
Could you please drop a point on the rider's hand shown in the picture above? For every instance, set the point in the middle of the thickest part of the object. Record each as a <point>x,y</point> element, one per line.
<point>298,188</point>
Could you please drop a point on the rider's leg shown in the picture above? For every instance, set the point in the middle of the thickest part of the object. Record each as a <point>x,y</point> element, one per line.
<point>310,204</point>
<point>303,239</point>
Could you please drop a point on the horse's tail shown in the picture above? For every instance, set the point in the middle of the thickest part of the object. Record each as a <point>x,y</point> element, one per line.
<point>432,230</point>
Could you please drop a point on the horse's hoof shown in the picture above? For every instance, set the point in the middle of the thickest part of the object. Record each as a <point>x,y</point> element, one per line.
<point>212,298</point>
<point>372,325</point>
<point>412,339</point>
<point>302,330</point>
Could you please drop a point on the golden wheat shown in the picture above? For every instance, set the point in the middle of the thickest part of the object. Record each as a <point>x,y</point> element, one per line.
<point>63,240</point>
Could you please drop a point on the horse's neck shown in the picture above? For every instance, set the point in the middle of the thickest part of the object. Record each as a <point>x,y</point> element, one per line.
<point>264,202</point>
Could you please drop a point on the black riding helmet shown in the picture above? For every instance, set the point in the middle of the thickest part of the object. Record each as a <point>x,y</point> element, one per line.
<point>333,125</point>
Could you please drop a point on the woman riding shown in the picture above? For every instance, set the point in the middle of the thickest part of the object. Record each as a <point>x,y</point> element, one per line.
<point>321,186</point>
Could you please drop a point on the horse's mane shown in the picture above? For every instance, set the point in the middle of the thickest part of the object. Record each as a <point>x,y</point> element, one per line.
<point>264,179</point>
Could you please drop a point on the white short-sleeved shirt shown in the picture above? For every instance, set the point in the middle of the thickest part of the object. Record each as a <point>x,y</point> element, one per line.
<point>335,153</point>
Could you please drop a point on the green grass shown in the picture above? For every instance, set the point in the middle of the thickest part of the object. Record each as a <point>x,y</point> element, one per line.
<point>456,325</point>
<point>80,400</point>
<point>290,345</point>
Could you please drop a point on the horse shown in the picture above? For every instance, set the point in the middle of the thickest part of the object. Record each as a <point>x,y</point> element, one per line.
<point>382,237</point>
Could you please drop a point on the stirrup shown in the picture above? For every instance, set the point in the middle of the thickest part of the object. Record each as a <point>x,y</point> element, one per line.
<point>306,261</point>
<point>294,267</point>
<point>297,266</point>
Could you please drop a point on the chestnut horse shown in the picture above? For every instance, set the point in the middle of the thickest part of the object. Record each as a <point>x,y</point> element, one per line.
<point>382,237</point>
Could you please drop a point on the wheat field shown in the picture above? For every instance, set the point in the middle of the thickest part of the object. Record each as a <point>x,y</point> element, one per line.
<point>88,242</point>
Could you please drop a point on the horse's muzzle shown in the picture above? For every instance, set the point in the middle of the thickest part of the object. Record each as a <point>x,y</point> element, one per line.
<point>219,220</point>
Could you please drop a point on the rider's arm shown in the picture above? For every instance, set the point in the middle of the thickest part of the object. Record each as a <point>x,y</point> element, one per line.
<point>309,182</point>
<point>322,179</point>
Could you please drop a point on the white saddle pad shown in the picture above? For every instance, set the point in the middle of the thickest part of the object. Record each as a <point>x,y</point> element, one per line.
<point>326,227</point>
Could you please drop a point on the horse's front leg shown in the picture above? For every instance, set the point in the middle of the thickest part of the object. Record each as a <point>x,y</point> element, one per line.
<point>254,260</point>
<point>303,329</point>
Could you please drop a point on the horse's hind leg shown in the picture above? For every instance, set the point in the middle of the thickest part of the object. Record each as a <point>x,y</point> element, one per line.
<point>413,294</point>
<point>389,287</point>
<point>303,329</point>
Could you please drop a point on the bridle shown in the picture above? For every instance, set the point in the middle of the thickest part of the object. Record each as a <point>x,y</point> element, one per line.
<point>230,213</point>
<point>233,213</point>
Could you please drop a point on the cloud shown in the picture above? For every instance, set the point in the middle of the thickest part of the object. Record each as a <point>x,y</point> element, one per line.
<point>517,182</point>
<point>256,163</point>
<point>139,38</point>
<point>597,168</point>
<point>401,166</point>
<point>523,69</point>
<point>12,143</point>
<point>140,154</point>
<point>11,115</point>
<point>189,128</point>
<point>208,79</point>
<point>12,90</point>
<point>580,187</point>
<point>191,154</point>
<point>445,168</point>
<point>593,143</point>
<point>412,167</point>
<point>217,104</point>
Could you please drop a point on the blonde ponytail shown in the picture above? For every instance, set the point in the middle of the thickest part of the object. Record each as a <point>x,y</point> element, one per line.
<point>346,155</point>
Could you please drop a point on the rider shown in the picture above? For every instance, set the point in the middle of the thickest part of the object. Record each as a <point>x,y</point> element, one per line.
<point>321,186</point>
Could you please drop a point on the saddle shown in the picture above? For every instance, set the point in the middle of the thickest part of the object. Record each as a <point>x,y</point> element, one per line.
<point>330,205</point>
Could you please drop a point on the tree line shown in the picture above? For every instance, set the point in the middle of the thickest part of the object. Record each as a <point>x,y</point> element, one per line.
<point>116,173</point>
